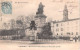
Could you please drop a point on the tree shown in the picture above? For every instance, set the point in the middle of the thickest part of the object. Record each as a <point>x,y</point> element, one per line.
<point>5,25</point>
<point>33,25</point>
<point>19,23</point>
<point>12,21</point>
<point>46,32</point>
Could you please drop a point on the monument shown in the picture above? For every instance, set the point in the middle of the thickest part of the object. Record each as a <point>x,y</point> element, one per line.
<point>40,17</point>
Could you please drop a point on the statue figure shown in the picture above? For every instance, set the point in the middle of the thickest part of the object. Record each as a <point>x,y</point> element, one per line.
<point>40,9</point>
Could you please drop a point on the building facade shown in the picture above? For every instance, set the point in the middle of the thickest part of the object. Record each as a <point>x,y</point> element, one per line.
<point>66,27</point>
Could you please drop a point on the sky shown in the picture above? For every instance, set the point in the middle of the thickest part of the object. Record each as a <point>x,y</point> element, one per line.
<point>53,9</point>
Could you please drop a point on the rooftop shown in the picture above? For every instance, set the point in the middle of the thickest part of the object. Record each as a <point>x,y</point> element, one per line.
<point>66,20</point>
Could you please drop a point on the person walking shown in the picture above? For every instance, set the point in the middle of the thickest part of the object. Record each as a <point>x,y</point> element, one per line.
<point>75,38</point>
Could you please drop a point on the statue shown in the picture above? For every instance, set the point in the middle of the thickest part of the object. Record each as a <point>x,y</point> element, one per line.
<point>40,9</point>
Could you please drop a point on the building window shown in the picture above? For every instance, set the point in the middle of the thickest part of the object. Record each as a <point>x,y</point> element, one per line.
<point>57,33</point>
<point>61,33</point>
<point>61,29</point>
<point>57,25</point>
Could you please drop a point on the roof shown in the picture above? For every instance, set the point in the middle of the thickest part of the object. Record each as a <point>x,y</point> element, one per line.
<point>66,20</point>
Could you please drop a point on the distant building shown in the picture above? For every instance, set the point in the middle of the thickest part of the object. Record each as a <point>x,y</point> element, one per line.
<point>66,27</point>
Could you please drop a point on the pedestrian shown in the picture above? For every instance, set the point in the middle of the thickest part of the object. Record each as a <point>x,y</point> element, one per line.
<point>75,39</point>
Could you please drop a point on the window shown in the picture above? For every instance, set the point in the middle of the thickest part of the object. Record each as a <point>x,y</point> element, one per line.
<point>57,33</point>
<point>68,33</point>
<point>61,29</point>
<point>57,25</point>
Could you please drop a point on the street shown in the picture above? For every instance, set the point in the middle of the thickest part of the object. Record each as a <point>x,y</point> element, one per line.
<point>28,44</point>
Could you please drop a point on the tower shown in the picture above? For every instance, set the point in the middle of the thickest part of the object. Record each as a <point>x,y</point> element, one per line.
<point>65,13</point>
<point>40,17</point>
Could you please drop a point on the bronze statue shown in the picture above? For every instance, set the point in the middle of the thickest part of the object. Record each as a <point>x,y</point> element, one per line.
<point>40,9</point>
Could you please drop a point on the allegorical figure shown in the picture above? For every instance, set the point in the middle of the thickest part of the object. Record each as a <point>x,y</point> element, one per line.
<point>40,9</point>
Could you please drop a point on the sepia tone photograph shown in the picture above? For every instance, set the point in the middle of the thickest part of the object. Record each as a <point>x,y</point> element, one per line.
<point>49,24</point>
